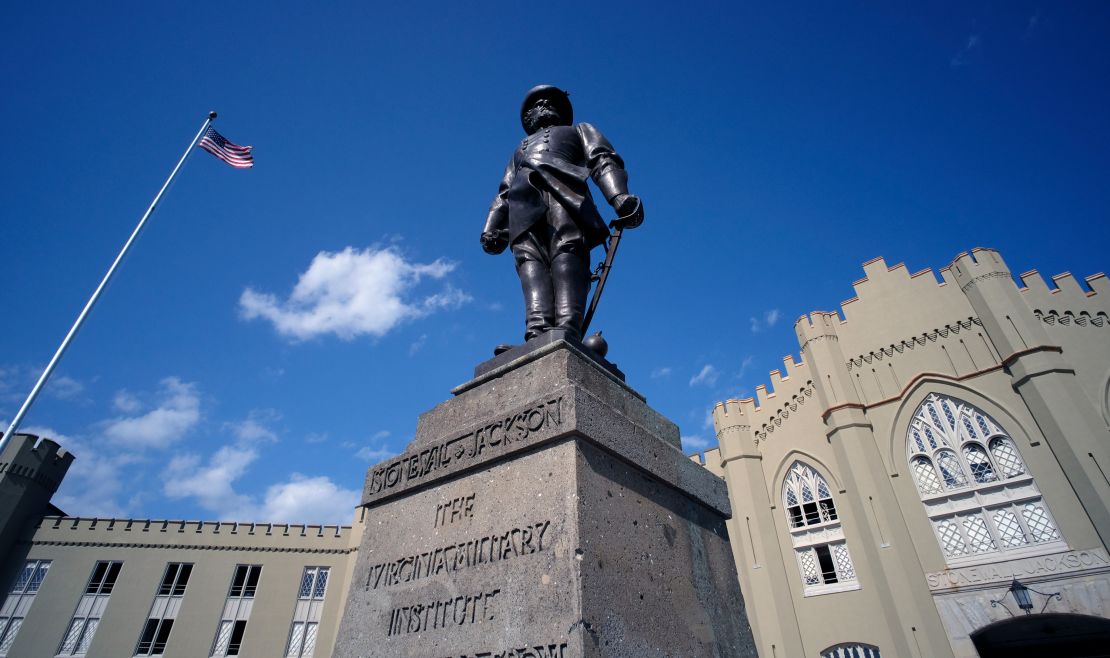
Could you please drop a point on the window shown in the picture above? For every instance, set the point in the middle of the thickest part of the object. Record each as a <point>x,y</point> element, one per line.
<point>306,614</point>
<point>978,494</point>
<point>819,544</point>
<point>851,650</point>
<point>163,612</point>
<point>89,609</point>
<point>237,610</point>
<point>19,601</point>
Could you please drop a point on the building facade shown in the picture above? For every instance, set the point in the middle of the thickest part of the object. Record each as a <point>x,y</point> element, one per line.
<point>938,442</point>
<point>136,587</point>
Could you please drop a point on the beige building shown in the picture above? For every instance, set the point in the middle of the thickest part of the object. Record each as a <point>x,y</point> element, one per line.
<point>937,441</point>
<point>133,587</point>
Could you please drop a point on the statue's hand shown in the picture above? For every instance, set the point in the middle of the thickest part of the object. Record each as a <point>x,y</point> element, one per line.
<point>494,242</point>
<point>630,209</point>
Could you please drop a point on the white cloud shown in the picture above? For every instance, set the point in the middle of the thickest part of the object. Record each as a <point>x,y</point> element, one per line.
<point>316,437</point>
<point>352,293</point>
<point>708,376</point>
<point>177,413</point>
<point>769,319</point>
<point>745,364</point>
<point>95,481</point>
<point>418,344</point>
<point>255,426</point>
<point>126,402</point>
<point>64,388</point>
<point>309,499</point>
<point>375,455</point>
<point>690,443</point>
<point>211,483</point>
<point>659,373</point>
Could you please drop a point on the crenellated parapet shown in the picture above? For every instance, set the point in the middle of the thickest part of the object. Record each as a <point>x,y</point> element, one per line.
<point>193,535</point>
<point>1067,302</point>
<point>39,460</point>
<point>751,421</point>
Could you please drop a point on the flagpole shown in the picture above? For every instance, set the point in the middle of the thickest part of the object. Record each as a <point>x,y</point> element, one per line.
<point>99,289</point>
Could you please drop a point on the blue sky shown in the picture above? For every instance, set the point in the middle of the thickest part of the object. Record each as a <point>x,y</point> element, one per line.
<point>276,331</point>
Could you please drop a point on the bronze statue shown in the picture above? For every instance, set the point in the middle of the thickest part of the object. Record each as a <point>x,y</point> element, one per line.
<point>544,212</point>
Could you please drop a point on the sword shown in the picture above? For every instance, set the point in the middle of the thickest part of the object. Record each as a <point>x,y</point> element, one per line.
<point>601,274</point>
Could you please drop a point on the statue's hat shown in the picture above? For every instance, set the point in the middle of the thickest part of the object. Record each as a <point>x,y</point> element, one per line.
<point>559,99</point>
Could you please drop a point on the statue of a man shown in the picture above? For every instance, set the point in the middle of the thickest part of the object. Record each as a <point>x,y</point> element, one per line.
<point>544,211</point>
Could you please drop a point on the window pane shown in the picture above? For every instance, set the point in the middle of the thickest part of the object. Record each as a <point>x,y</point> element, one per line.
<point>828,571</point>
<point>795,514</point>
<point>167,580</point>
<point>309,639</point>
<point>306,583</point>
<point>163,636</point>
<point>1040,526</point>
<point>981,468</point>
<point>808,566</point>
<point>110,577</point>
<point>252,580</point>
<point>843,562</point>
<point>237,638</point>
<point>70,640</point>
<point>1009,462</point>
<point>321,584</point>
<point>1009,530</point>
<point>147,638</point>
<point>977,534</point>
<point>223,638</point>
<point>828,511</point>
<point>927,480</point>
<point>238,580</point>
<point>951,470</point>
<point>811,514</point>
<point>24,577</point>
<point>97,577</point>
<point>182,579</point>
<point>10,633</point>
<point>36,580</point>
<point>87,636</point>
<point>950,539</point>
<point>296,636</point>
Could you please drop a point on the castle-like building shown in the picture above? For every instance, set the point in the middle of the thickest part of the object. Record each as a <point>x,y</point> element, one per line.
<point>930,480</point>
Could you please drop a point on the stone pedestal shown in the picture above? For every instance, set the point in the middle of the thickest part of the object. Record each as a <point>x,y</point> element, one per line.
<point>544,512</point>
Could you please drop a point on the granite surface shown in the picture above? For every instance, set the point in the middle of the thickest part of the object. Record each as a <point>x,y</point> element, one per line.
<point>544,512</point>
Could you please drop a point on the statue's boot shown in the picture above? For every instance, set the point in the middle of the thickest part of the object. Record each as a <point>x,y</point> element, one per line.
<point>570,273</point>
<point>539,301</point>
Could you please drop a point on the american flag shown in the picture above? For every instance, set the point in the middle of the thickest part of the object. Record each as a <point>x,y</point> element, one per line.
<point>233,154</point>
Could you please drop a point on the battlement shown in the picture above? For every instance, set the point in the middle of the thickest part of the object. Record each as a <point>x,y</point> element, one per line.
<point>817,325</point>
<point>1067,299</point>
<point>66,530</point>
<point>41,460</point>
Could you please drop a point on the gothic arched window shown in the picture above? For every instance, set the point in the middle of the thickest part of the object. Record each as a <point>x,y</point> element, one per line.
<point>977,491</point>
<point>819,544</point>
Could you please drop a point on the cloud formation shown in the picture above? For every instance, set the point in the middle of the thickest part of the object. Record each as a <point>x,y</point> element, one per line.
<point>769,319</point>
<point>176,413</point>
<point>659,373</point>
<point>354,292</point>
<point>708,376</point>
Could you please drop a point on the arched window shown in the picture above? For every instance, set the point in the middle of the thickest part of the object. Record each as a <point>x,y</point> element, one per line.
<point>851,650</point>
<point>819,544</point>
<point>977,492</point>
